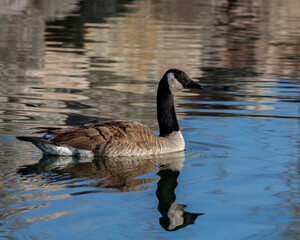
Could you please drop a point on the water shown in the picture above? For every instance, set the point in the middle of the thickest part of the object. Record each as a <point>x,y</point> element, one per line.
<point>75,62</point>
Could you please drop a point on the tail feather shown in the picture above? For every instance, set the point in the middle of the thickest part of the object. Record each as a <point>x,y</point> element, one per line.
<point>50,148</point>
<point>35,140</point>
<point>45,145</point>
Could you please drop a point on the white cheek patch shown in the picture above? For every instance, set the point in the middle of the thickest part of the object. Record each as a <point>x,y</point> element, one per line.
<point>175,213</point>
<point>174,85</point>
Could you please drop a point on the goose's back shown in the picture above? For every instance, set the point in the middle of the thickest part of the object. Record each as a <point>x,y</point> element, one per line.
<point>112,138</point>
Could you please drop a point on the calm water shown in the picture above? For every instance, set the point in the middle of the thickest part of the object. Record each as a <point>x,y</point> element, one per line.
<point>73,62</point>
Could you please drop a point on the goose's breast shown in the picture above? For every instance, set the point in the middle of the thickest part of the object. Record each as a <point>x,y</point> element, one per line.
<point>144,144</point>
<point>172,143</point>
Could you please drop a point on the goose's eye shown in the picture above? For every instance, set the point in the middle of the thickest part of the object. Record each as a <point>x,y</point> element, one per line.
<point>177,76</point>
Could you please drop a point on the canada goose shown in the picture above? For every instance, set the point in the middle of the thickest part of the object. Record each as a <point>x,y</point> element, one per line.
<point>120,137</point>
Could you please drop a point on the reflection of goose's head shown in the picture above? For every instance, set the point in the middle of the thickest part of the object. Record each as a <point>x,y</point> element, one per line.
<point>177,218</point>
<point>174,216</point>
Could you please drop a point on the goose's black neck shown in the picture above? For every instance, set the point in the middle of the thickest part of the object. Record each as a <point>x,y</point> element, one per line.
<point>166,115</point>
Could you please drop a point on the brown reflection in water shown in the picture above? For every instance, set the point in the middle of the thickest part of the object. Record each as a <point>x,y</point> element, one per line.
<point>244,42</point>
<point>23,59</point>
<point>88,59</point>
<point>47,217</point>
<point>254,35</point>
<point>22,32</point>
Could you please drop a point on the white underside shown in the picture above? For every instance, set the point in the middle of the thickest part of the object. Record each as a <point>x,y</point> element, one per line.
<point>172,143</point>
<point>49,149</point>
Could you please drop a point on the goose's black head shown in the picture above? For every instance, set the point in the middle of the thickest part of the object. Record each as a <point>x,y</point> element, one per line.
<point>178,80</point>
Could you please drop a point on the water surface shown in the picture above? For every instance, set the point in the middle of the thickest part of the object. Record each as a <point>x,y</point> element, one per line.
<point>75,62</point>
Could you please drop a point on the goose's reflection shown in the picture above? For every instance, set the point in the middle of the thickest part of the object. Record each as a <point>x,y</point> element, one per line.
<point>173,215</point>
<point>123,174</point>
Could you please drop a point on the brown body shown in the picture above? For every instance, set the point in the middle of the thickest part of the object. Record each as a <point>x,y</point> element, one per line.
<point>115,138</point>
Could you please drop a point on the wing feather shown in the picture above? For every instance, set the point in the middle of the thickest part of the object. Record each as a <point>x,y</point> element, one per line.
<point>108,138</point>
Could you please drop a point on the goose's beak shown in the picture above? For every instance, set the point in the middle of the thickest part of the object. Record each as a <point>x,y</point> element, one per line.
<point>193,84</point>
